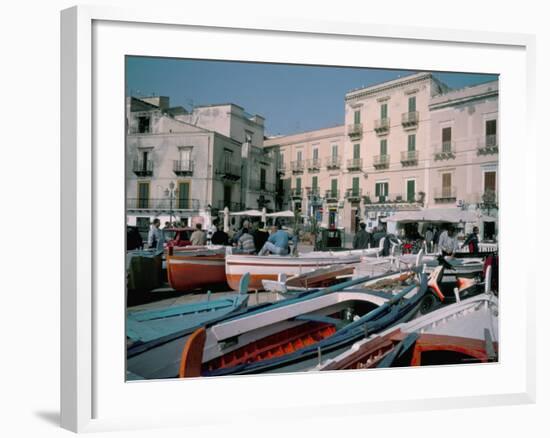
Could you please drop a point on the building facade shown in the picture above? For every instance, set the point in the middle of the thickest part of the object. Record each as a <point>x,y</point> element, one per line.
<point>185,166</point>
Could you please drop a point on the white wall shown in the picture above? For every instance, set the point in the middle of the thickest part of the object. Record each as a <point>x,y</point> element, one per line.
<point>30,363</point>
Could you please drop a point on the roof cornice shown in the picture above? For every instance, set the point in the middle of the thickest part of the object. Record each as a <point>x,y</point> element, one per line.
<point>369,91</point>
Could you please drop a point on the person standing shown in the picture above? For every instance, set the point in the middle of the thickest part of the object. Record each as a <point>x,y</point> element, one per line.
<point>472,241</point>
<point>260,236</point>
<point>198,238</point>
<point>361,238</point>
<point>277,243</point>
<point>428,239</point>
<point>220,237</point>
<point>435,240</point>
<point>155,239</point>
<point>447,242</point>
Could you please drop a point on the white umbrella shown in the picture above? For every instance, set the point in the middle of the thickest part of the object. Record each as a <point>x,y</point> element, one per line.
<point>263,215</point>
<point>226,219</point>
<point>286,213</point>
<point>247,213</point>
<point>451,215</point>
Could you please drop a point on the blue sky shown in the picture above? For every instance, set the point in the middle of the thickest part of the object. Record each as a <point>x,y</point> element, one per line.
<point>292,98</point>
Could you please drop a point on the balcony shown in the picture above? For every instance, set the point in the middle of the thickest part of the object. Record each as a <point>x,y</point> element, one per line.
<point>314,164</point>
<point>333,163</point>
<point>381,161</point>
<point>445,195</point>
<point>446,152</point>
<point>296,193</point>
<point>354,194</point>
<point>232,206</point>
<point>332,195</point>
<point>230,171</point>
<point>396,200</point>
<point>409,158</point>
<point>355,131</point>
<point>382,126</point>
<point>143,167</point>
<point>258,185</point>
<point>313,191</point>
<point>160,205</point>
<point>410,119</point>
<point>297,166</point>
<point>183,167</point>
<point>281,169</point>
<point>487,145</point>
<point>355,164</point>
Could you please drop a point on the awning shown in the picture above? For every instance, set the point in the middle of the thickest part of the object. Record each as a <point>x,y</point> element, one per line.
<point>246,213</point>
<point>286,213</point>
<point>448,215</point>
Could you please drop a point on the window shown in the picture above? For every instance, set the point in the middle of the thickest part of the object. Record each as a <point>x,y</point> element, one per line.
<point>262,178</point>
<point>355,186</point>
<point>381,191</point>
<point>334,187</point>
<point>491,132</point>
<point>446,180</point>
<point>383,147</point>
<point>144,123</point>
<point>183,195</point>
<point>314,182</point>
<point>411,189</point>
<point>334,151</point>
<point>298,185</point>
<point>490,181</point>
<point>143,195</point>
<point>412,104</point>
<point>384,111</point>
<point>185,158</point>
<point>357,117</point>
<point>248,136</point>
<point>411,144</point>
<point>228,159</point>
<point>315,153</point>
<point>356,151</point>
<point>446,136</point>
<point>299,156</point>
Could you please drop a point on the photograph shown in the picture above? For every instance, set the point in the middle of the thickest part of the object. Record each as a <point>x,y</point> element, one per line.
<point>286,218</point>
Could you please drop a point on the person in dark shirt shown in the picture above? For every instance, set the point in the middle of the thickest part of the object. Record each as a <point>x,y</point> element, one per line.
<point>361,238</point>
<point>260,236</point>
<point>220,237</point>
<point>472,241</point>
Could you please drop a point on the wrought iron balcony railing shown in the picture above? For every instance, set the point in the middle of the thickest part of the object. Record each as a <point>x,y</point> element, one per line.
<point>355,164</point>
<point>159,205</point>
<point>409,158</point>
<point>333,162</point>
<point>261,186</point>
<point>313,191</point>
<point>143,167</point>
<point>410,119</point>
<point>394,198</point>
<point>230,171</point>
<point>232,206</point>
<point>382,126</point>
<point>445,194</point>
<point>183,167</point>
<point>313,164</point>
<point>487,145</point>
<point>446,151</point>
<point>354,194</point>
<point>296,193</point>
<point>381,161</point>
<point>355,130</point>
<point>297,166</point>
<point>332,195</point>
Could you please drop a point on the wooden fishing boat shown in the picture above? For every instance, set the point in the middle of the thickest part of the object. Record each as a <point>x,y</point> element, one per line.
<point>289,336</point>
<point>194,267</point>
<point>269,267</point>
<point>464,332</point>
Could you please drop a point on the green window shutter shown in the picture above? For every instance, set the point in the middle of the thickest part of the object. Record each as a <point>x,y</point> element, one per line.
<point>383,147</point>
<point>183,195</point>
<point>334,185</point>
<point>386,188</point>
<point>356,150</point>
<point>412,142</point>
<point>412,104</point>
<point>377,189</point>
<point>357,117</point>
<point>314,182</point>
<point>355,185</point>
<point>384,111</point>
<point>411,188</point>
<point>298,183</point>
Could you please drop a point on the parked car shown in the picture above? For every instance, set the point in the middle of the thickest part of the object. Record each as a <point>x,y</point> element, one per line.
<point>177,236</point>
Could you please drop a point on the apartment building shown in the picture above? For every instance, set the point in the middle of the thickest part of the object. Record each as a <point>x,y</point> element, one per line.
<point>189,164</point>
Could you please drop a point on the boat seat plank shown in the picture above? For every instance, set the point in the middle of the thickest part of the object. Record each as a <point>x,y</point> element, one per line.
<point>320,318</point>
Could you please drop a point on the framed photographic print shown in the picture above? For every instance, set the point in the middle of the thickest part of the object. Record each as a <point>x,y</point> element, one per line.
<point>252,209</point>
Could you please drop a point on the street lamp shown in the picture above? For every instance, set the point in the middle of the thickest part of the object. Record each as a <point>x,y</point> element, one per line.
<point>171,192</point>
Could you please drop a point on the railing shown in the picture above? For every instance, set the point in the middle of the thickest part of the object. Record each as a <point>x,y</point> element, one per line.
<point>394,198</point>
<point>297,166</point>
<point>332,195</point>
<point>445,194</point>
<point>137,130</point>
<point>333,162</point>
<point>409,119</point>
<point>355,164</point>
<point>354,194</point>
<point>296,193</point>
<point>313,191</point>
<point>143,168</point>
<point>355,130</point>
<point>162,204</point>
<point>261,186</point>
<point>314,164</point>
<point>382,125</point>
<point>487,145</point>
<point>381,161</point>
<point>230,171</point>
<point>183,167</point>
<point>232,206</point>
<point>409,158</point>
<point>446,151</point>
<point>281,168</point>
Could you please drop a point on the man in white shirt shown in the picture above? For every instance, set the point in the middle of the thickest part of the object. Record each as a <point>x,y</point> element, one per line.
<point>155,239</point>
<point>447,242</point>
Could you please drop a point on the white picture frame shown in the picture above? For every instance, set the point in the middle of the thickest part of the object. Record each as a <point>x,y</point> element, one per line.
<point>93,393</point>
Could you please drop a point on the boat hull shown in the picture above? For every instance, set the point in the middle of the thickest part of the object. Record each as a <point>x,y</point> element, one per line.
<point>188,272</point>
<point>269,267</point>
